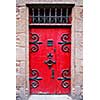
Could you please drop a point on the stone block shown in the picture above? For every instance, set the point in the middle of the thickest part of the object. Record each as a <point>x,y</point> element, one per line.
<point>20,53</point>
<point>78,19</point>
<point>20,19</point>
<point>23,2</point>
<point>78,45</point>
<point>20,68</point>
<point>79,2</point>
<point>20,40</point>
<point>79,79</point>
<point>79,66</point>
<point>20,80</point>
<point>52,1</point>
<point>20,2</point>
<point>79,53</point>
<point>50,97</point>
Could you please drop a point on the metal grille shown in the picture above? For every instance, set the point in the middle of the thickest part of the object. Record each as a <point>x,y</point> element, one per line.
<point>50,15</point>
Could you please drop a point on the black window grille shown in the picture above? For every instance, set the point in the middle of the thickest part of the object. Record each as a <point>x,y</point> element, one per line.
<point>50,15</point>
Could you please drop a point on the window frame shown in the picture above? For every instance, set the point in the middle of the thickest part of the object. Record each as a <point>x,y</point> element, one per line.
<point>49,6</point>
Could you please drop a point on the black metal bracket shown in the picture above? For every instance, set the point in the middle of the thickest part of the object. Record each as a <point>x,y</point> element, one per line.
<point>35,79</point>
<point>64,79</point>
<point>35,43</point>
<point>65,43</point>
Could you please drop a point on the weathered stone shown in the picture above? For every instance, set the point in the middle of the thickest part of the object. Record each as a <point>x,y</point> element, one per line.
<point>79,67</point>
<point>78,45</point>
<point>20,53</point>
<point>24,2</point>
<point>21,24</point>
<point>79,79</point>
<point>50,97</point>
<point>78,19</point>
<point>79,54</point>
<point>79,2</point>
<point>20,68</point>
<point>20,2</point>
<point>20,80</point>
<point>20,19</point>
<point>52,1</point>
<point>79,39</point>
<point>20,40</point>
<point>20,94</point>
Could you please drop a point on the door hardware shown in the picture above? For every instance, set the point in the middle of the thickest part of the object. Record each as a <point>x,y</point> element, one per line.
<point>52,71</point>
<point>54,49</point>
<point>50,62</point>
<point>65,43</point>
<point>65,78</point>
<point>35,78</point>
<point>35,43</point>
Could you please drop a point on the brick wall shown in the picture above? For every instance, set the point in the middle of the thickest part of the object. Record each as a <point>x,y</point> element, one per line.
<point>21,47</point>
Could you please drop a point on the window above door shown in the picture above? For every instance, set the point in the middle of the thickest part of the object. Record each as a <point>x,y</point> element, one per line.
<point>50,14</point>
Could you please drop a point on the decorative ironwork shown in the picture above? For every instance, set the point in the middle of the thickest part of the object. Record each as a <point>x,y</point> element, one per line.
<point>50,62</point>
<point>50,15</point>
<point>65,43</point>
<point>35,79</point>
<point>35,43</point>
<point>65,78</point>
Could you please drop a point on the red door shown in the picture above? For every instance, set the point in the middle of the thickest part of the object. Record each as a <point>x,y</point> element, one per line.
<point>50,60</point>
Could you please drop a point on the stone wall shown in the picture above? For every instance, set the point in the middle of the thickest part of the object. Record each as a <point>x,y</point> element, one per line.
<point>78,31</point>
<point>22,89</point>
<point>20,50</point>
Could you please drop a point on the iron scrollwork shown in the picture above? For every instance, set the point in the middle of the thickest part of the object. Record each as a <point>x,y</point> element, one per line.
<point>35,43</point>
<point>65,79</point>
<point>50,62</point>
<point>65,43</point>
<point>35,78</point>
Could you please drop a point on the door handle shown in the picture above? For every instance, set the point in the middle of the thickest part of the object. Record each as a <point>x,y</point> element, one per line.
<point>54,49</point>
<point>53,73</point>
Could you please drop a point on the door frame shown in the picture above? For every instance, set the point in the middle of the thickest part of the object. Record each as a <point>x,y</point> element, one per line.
<point>27,86</point>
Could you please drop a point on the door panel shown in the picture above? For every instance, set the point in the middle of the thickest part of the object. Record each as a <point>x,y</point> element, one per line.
<point>50,60</point>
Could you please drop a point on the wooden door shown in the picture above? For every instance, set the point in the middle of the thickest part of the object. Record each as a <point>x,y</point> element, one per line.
<point>50,60</point>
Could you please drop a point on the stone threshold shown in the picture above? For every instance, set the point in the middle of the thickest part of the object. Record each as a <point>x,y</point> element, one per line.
<point>49,97</point>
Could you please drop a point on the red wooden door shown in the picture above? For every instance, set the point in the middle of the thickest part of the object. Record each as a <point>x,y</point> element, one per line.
<point>50,60</point>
